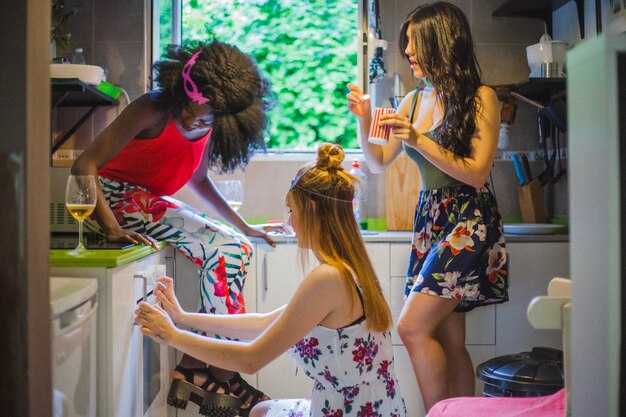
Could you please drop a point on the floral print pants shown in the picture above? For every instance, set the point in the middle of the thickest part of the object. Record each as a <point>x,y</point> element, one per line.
<point>221,254</point>
<point>458,249</point>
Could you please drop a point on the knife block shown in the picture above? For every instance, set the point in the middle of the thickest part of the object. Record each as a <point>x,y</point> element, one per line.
<point>531,207</point>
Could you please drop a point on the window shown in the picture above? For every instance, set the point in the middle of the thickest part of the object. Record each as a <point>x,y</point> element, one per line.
<point>306,48</point>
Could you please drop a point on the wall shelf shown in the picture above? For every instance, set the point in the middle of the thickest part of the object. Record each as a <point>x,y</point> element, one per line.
<point>543,90</point>
<point>72,92</point>
<point>540,9</point>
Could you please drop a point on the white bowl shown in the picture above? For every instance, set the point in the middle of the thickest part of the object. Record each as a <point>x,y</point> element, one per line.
<point>550,51</point>
<point>91,74</point>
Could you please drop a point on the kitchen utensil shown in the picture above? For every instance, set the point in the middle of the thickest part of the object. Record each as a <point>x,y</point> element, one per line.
<point>526,166</point>
<point>519,170</point>
<point>546,51</point>
<point>556,111</point>
<point>402,188</point>
<point>530,199</point>
<point>550,70</point>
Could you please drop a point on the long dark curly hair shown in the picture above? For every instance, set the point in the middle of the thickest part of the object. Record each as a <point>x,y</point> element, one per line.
<point>238,94</point>
<point>445,53</point>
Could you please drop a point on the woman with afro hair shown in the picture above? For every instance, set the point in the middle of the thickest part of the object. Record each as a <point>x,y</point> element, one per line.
<point>209,111</point>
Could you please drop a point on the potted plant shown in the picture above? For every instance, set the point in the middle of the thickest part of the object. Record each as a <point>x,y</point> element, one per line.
<point>60,15</point>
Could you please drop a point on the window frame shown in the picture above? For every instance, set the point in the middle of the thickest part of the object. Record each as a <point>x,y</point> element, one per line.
<point>279,154</point>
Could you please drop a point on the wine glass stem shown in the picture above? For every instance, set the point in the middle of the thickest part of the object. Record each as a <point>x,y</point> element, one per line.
<point>80,236</point>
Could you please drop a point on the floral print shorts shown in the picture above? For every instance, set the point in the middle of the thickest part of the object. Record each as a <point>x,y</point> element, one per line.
<point>458,248</point>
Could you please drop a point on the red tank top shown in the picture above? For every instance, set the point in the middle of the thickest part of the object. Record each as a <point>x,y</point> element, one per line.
<point>163,164</point>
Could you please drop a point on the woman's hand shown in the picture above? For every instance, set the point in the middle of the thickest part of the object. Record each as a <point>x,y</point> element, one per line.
<point>401,128</point>
<point>121,235</point>
<point>164,293</point>
<point>261,230</point>
<point>155,323</point>
<point>358,104</point>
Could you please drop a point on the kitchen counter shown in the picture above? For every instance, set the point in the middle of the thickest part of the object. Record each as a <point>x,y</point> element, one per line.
<point>111,258</point>
<point>101,258</point>
<point>396,236</point>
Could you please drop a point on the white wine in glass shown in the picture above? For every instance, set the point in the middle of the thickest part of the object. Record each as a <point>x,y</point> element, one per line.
<point>232,191</point>
<point>80,201</point>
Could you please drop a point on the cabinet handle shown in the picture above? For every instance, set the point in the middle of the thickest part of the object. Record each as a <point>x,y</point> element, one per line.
<point>265,272</point>
<point>145,285</point>
<point>172,259</point>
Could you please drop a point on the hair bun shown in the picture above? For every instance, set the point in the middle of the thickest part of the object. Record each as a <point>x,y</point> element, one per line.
<point>330,157</point>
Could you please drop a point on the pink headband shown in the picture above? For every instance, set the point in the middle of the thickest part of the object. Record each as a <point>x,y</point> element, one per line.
<point>191,89</point>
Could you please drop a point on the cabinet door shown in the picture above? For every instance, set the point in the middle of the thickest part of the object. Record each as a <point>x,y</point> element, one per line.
<point>279,273</point>
<point>531,267</point>
<point>139,368</point>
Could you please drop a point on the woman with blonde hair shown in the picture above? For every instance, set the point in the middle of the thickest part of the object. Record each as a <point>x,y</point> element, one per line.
<point>336,325</point>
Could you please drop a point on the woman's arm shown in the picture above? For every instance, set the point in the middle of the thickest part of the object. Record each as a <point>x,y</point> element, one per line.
<point>321,293</point>
<point>378,157</point>
<point>138,116</point>
<point>474,169</point>
<point>236,326</point>
<point>202,185</point>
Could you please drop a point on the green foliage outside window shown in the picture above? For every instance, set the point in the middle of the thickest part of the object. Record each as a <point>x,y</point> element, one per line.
<point>308,50</point>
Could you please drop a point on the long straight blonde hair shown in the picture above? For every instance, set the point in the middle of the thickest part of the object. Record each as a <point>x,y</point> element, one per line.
<point>323,195</point>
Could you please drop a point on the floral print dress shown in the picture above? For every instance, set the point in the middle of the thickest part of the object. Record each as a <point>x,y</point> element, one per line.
<point>353,373</point>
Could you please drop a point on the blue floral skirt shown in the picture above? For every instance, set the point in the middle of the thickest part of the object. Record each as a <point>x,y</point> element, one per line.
<point>458,248</point>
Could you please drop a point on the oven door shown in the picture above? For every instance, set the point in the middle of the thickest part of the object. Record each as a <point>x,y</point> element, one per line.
<point>153,361</point>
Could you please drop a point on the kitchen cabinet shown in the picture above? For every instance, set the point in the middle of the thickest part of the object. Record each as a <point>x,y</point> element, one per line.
<point>531,267</point>
<point>133,372</point>
<point>279,274</point>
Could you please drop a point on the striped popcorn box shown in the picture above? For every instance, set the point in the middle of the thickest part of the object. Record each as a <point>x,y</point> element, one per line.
<point>379,134</point>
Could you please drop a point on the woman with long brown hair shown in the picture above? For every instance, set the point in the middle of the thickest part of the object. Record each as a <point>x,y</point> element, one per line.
<point>458,258</point>
<point>336,325</point>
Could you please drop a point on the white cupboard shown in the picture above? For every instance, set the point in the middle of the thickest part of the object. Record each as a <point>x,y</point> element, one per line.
<point>133,372</point>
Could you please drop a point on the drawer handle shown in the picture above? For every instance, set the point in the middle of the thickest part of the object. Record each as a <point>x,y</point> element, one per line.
<point>265,283</point>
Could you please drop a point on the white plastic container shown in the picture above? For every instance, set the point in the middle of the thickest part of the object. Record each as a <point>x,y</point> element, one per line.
<point>546,52</point>
<point>73,303</point>
<point>90,74</point>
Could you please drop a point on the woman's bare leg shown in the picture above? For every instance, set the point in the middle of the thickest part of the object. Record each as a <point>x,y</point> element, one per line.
<point>419,321</point>
<point>461,380</point>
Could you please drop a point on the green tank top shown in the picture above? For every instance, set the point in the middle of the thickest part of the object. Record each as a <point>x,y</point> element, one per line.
<point>431,176</point>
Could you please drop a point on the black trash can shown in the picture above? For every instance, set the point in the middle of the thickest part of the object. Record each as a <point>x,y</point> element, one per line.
<point>527,374</point>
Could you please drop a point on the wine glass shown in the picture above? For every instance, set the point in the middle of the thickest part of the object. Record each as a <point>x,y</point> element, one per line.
<point>80,200</point>
<point>232,191</point>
